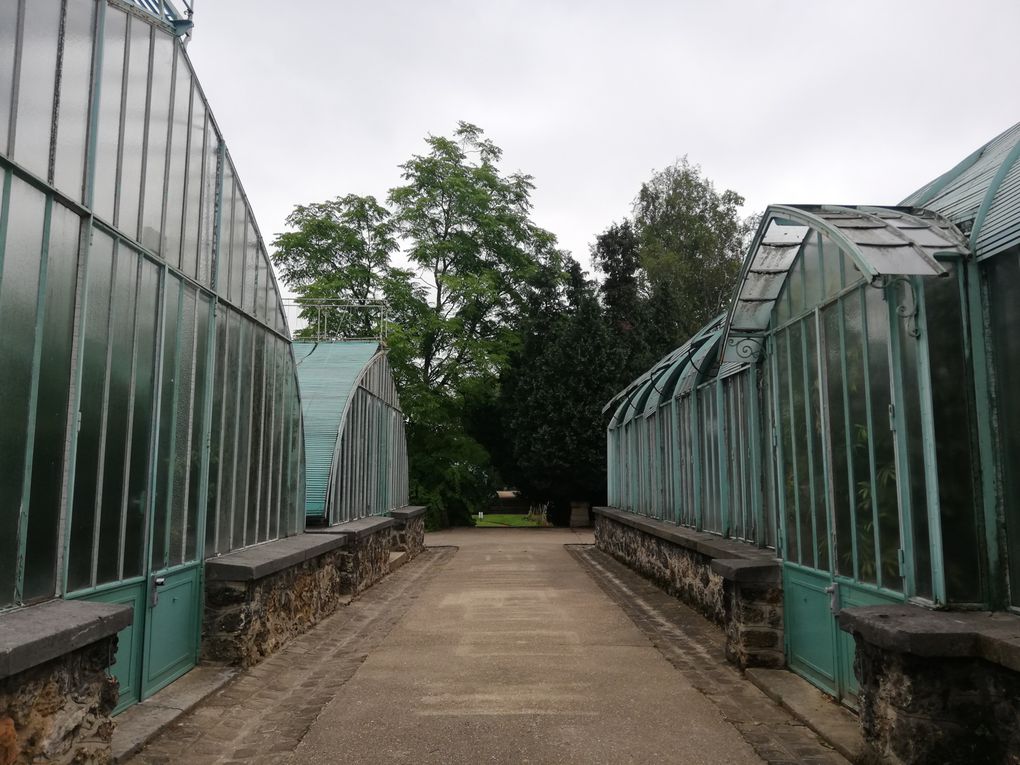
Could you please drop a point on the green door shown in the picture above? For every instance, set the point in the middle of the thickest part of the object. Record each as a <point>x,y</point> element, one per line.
<point>844,449</point>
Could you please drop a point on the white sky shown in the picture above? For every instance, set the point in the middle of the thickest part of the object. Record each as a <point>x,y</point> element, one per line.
<point>824,101</point>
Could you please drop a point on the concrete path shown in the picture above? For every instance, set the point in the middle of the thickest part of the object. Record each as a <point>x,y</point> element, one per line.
<point>519,647</point>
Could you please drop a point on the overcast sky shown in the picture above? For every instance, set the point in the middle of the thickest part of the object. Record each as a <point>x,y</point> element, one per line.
<point>813,101</point>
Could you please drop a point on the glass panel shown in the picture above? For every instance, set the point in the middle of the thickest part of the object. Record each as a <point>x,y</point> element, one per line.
<point>8,34</point>
<point>244,434</point>
<point>183,384</point>
<point>839,445</point>
<point>72,117</point>
<point>255,462</point>
<point>250,269</point>
<point>216,504</point>
<point>801,444</point>
<point>108,126</point>
<point>193,201</point>
<point>90,410</point>
<point>953,439</point>
<point>210,191</point>
<point>119,397</point>
<point>910,424</point>
<point>203,381</point>
<point>860,430</point>
<point>237,265</point>
<point>19,286</point>
<point>816,456</point>
<point>832,266</point>
<point>265,502</point>
<point>812,267</point>
<point>177,171</point>
<point>161,553</point>
<point>788,482</point>
<point>885,499</point>
<point>142,418</point>
<point>130,187</point>
<point>795,288</point>
<point>36,85</point>
<point>51,407</point>
<point>231,397</point>
<point>159,126</point>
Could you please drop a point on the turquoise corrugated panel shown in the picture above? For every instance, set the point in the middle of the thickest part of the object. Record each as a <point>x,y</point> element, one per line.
<point>327,373</point>
<point>959,193</point>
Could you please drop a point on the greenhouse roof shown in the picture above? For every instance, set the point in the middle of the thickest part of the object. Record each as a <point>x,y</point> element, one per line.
<point>981,194</point>
<point>881,241</point>
<point>327,373</point>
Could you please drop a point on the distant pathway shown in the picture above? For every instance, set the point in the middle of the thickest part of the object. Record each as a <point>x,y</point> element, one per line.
<point>513,649</point>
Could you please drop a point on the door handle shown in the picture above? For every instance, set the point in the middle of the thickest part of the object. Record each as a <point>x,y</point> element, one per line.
<point>157,582</point>
<point>833,591</point>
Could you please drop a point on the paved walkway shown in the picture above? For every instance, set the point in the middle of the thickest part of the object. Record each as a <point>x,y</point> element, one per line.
<point>513,649</point>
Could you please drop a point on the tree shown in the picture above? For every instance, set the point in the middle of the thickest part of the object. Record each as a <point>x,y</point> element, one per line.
<point>691,241</point>
<point>338,253</point>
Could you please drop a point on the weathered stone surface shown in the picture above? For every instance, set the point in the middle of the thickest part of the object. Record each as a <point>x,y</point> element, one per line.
<point>246,621</point>
<point>742,595</point>
<point>59,711</point>
<point>409,531</point>
<point>918,709</point>
<point>367,560</point>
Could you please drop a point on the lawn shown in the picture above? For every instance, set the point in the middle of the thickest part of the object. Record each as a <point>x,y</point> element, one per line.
<point>499,520</point>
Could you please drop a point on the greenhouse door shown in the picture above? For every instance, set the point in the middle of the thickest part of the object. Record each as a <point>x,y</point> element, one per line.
<point>840,448</point>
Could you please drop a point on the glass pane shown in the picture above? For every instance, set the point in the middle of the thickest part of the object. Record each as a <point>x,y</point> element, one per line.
<point>161,553</point>
<point>183,384</point>
<point>795,288</point>
<point>108,126</point>
<point>130,187</point>
<point>202,385</point>
<point>143,415</point>
<point>36,85</point>
<point>241,501</point>
<point>953,439</point>
<point>159,126</point>
<point>193,202</point>
<point>122,330</point>
<point>19,285</point>
<point>214,504</point>
<point>265,502</point>
<point>8,34</point>
<point>860,435</point>
<point>177,171</point>
<point>816,458</point>
<point>94,344</point>
<point>812,266</point>
<point>801,443</point>
<point>788,480</point>
<point>832,266</point>
<point>210,199</point>
<point>840,450</point>
<point>910,423</point>
<point>51,407</point>
<point>256,419</point>
<point>231,433</point>
<point>237,265</point>
<point>72,117</point>
<point>251,264</point>
<point>886,504</point>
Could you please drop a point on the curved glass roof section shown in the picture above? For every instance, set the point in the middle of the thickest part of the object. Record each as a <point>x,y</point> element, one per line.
<point>981,195</point>
<point>665,379</point>
<point>328,374</point>
<point>881,241</point>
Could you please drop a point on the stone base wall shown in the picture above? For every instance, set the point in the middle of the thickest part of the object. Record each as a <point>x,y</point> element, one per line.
<point>409,536</point>
<point>59,711</point>
<point>743,596</point>
<point>246,621</point>
<point>938,710</point>
<point>366,560</point>
<point>683,573</point>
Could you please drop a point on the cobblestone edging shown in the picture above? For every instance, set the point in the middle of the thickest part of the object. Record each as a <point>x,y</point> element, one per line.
<point>696,647</point>
<point>735,586</point>
<point>260,717</point>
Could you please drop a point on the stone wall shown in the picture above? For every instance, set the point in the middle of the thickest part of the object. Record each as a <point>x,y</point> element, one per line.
<point>246,620</point>
<point>366,559</point>
<point>409,531</point>
<point>937,686</point>
<point>683,573</point>
<point>737,586</point>
<point>59,711</point>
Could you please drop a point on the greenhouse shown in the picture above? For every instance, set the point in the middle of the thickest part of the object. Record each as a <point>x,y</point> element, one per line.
<point>850,413</point>
<point>141,321</point>
<point>354,439</point>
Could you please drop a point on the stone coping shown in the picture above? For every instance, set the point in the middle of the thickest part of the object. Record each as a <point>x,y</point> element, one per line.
<point>36,634</point>
<point>356,529</point>
<point>265,559</point>
<point>990,635</point>
<point>737,560</point>
<point>408,512</point>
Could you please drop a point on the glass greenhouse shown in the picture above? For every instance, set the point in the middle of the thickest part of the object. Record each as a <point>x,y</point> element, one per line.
<point>149,396</point>
<point>851,409</point>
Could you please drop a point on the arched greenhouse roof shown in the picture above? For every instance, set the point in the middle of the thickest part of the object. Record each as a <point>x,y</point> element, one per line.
<point>981,195</point>
<point>328,374</point>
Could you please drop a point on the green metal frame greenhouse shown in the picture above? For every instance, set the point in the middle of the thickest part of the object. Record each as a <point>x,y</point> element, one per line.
<point>852,409</point>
